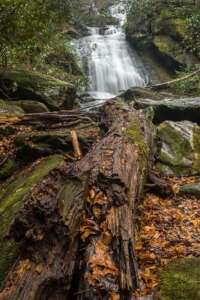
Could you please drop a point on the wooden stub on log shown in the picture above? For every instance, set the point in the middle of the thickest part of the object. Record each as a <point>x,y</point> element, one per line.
<point>75,143</point>
<point>79,236</point>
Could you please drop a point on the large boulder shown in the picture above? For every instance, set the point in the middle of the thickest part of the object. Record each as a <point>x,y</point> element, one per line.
<point>172,109</point>
<point>180,148</point>
<point>142,93</point>
<point>24,85</point>
<point>29,106</point>
<point>180,280</point>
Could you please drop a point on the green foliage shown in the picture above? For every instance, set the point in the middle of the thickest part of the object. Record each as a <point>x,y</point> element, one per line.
<point>26,26</point>
<point>140,13</point>
<point>192,40</point>
<point>177,19</point>
<point>190,86</point>
<point>36,35</point>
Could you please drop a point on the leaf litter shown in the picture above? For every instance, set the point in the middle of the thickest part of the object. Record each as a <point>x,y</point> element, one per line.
<point>167,229</point>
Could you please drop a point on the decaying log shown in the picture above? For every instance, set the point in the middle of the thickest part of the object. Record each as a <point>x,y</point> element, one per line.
<point>76,228</point>
<point>68,118</point>
<point>158,185</point>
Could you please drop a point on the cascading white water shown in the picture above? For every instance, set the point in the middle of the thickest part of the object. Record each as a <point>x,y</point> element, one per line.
<point>111,65</point>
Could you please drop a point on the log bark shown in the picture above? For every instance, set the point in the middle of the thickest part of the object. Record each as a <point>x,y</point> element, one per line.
<point>76,228</point>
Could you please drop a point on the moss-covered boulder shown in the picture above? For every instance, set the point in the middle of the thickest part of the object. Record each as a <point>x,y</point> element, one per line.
<point>29,106</point>
<point>167,30</point>
<point>181,280</point>
<point>10,109</point>
<point>23,85</point>
<point>169,50</point>
<point>134,93</point>
<point>11,200</point>
<point>180,148</point>
<point>175,109</point>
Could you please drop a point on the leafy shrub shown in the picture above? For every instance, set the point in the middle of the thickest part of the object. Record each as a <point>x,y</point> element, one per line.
<point>190,86</point>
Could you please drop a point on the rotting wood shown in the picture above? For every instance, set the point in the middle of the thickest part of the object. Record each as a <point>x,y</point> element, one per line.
<point>77,225</point>
<point>158,185</point>
<point>70,118</point>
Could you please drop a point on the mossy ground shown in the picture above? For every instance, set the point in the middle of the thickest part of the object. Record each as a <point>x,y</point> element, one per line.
<point>181,280</point>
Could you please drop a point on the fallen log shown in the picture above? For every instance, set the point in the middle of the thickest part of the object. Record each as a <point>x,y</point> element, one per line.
<point>158,185</point>
<point>164,85</point>
<point>76,228</point>
<point>69,118</point>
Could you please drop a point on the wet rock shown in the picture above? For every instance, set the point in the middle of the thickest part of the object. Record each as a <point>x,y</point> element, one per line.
<point>23,85</point>
<point>141,93</point>
<point>191,189</point>
<point>172,109</point>
<point>180,280</point>
<point>180,148</point>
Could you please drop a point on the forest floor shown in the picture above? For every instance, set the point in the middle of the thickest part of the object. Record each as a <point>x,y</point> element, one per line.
<point>167,229</point>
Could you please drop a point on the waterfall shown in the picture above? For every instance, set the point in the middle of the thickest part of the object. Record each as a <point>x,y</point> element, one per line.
<point>111,64</point>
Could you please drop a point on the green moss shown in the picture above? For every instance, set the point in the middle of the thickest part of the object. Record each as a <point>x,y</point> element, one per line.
<point>178,28</point>
<point>32,78</point>
<point>40,87</point>
<point>8,108</point>
<point>176,156</point>
<point>12,197</point>
<point>29,106</point>
<point>7,168</point>
<point>181,280</point>
<point>135,133</point>
<point>169,47</point>
<point>165,13</point>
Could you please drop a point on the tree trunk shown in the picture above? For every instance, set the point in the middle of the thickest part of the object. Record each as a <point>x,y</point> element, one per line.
<point>76,228</point>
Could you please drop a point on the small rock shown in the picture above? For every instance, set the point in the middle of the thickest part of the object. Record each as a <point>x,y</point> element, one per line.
<point>191,189</point>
